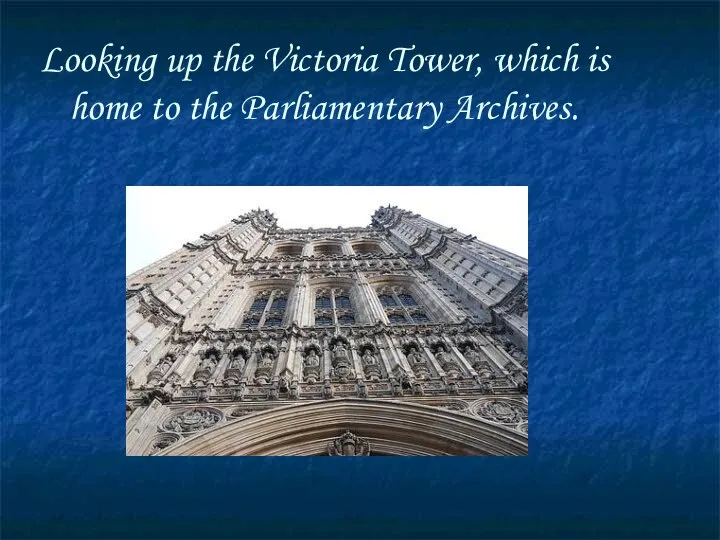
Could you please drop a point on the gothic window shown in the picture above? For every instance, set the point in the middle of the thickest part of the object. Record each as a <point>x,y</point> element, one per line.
<point>273,322</point>
<point>259,305</point>
<point>323,321</point>
<point>401,307</point>
<point>342,302</point>
<point>288,251</point>
<point>250,322</point>
<point>328,249</point>
<point>366,248</point>
<point>323,302</point>
<point>420,318</point>
<point>266,311</point>
<point>397,318</point>
<point>333,306</point>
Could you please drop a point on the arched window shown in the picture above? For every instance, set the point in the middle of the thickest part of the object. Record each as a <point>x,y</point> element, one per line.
<point>266,311</point>
<point>367,248</point>
<point>333,306</point>
<point>273,322</point>
<point>327,249</point>
<point>323,321</point>
<point>401,307</point>
<point>346,320</point>
<point>397,318</point>
<point>342,302</point>
<point>419,318</point>
<point>323,302</point>
<point>250,322</point>
<point>259,305</point>
<point>293,250</point>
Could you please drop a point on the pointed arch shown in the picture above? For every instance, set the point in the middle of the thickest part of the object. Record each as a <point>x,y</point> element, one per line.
<point>392,428</point>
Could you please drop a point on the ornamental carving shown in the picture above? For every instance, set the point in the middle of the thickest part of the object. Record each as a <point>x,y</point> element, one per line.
<point>156,375</point>
<point>448,363</point>
<point>418,363</point>
<point>341,364</point>
<point>209,361</point>
<point>161,442</point>
<point>328,392</point>
<point>193,420</point>
<point>501,411</point>
<point>455,406</point>
<point>517,304</point>
<point>371,366</point>
<point>349,444</point>
<point>238,360</point>
<point>481,366</point>
<point>311,366</point>
<point>265,366</point>
<point>241,412</point>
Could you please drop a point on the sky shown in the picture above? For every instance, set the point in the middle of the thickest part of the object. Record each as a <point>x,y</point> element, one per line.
<point>160,219</point>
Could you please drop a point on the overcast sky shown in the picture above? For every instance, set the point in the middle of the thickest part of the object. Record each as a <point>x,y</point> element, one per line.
<point>161,219</point>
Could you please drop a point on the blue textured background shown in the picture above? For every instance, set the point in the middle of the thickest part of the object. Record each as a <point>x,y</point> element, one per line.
<point>623,251</point>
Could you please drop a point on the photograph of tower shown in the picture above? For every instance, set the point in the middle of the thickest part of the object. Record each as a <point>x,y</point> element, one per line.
<point>402,338</point>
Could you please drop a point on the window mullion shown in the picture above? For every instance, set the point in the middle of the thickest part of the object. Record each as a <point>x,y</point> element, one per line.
<point>332,305</point>
<point>402,305</point>
<point>261,323</point>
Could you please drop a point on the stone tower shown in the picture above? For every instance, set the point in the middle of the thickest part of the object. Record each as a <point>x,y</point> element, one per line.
<point>405,337</point>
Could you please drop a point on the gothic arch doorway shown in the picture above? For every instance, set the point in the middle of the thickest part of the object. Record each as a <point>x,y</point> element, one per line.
<point>380,428</point>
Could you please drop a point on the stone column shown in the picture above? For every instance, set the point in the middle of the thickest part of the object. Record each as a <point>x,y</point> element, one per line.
<point>221,368</point>
<point>397,356</point>
<point>231,311</point>
<point>357,363</point>
<point>327,361</point>
<point>146,349</point>
<point>437,303</point>
<point>459,357</point>
<point>141,428</point>
<point>297,309</point>
<point>371,302</point>
<point>294,362</point>
<point>185,369</point>
<point>283,357</point>
<point>431,360</point>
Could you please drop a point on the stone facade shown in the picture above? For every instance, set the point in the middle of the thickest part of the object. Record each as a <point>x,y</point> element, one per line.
<point>405,337</point>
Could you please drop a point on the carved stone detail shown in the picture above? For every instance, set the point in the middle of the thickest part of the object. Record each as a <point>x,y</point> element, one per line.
<point>156,375</point>
<point>265,365</point>
<point>371,366</point>
<point>238,360</point>
<point>161,442</point>
<point>341,364</point>
<point>349,444</point>
<point>311,366</point>
<point>501,411</point>
<point>418,363</point>
<point>448,363</point>
<point>193,420</point>
<point>208,363</point>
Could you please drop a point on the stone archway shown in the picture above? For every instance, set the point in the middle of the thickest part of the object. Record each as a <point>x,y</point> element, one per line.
<point>389,428</point>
